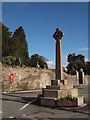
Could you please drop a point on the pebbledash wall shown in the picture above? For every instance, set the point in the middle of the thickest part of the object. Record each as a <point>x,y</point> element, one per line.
<point>27,78</point>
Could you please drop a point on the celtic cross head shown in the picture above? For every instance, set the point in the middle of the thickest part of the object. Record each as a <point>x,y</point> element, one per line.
<point>58,34</point>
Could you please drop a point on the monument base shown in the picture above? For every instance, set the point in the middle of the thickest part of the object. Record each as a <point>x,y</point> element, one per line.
<point>59,94</point>
<point>53,102</point>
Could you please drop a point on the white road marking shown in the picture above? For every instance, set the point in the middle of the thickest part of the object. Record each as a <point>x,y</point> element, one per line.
<point>11,117</point>
<point>27,105</point>
<point>0,112</point>
<point>24,115</point>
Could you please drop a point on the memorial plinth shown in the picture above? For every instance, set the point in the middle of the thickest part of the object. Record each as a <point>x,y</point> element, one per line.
<point>60,93</point>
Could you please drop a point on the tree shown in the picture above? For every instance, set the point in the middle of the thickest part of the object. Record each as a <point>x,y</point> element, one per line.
<point>19,46</point>
<point>87,67</point>
<point>6,41</point>
<point>36,58</point>
<point>8,60</point>
<point>80,58</point>
<point>75,62</point>
<point>71,58</point>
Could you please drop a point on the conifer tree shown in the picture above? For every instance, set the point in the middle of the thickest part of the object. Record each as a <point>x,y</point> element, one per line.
<point>19,46</point>
<point>6,41</point>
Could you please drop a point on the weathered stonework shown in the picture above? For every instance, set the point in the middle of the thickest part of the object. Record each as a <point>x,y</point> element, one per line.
<point>59,70</point>
<point>71,103</point>
<point>34,78</point>
<point>60,88</point>
<point>25,78</point>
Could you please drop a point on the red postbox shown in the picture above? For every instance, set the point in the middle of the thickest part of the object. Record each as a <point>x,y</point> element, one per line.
<point>11,77</point>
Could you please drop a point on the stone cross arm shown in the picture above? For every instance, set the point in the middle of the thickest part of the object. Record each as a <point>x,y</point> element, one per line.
<point>58,34</point>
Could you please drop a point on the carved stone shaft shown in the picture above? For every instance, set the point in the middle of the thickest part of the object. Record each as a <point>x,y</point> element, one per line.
<point>59,69</point>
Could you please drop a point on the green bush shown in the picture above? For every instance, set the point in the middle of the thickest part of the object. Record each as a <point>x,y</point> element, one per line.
<point>9,60</point>
<point>80,95</point>
<point>69,97</point>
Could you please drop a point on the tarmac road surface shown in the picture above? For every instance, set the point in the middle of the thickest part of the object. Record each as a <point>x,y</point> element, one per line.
<point>23,105</point>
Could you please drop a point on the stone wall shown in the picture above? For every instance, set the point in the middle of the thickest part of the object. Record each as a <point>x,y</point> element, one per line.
<point>72,79</point>
<point>27,78</point>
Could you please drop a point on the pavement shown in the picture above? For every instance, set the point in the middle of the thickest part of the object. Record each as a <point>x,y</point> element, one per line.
<point>25,105</point>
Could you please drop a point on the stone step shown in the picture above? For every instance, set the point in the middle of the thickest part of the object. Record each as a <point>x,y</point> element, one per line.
<point>64,82</point>
<point>48,101</point>
<point>56,82</point>
<point>54,102</point>
<point>54,87</point>
<point>58,87</point>
<point>54,93</point>
<point>79,101</point>
<point>60,93</point>
<point>73,92</point>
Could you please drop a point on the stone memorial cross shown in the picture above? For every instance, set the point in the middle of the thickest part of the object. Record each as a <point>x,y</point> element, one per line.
<point>59,70</point>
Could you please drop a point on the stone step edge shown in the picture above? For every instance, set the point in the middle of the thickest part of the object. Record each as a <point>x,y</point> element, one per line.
<point>59,87</point>
<point>57,90</point>
<point>45,89</point>
<point>58,98</point>
<point>17,92</point>
<point>49,98</point>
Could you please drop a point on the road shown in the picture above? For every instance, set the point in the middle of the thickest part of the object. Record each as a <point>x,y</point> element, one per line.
<point>24,105</point>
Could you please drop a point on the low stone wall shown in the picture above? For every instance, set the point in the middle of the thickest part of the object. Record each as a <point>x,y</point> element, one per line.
<point>72,79</point>
<point>25,78</point>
